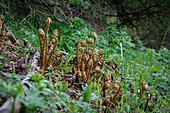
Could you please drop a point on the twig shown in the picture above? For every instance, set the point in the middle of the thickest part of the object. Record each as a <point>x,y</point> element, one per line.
<point>164,36</point>
<point>121,50</point>
<point>43,3</point>
<point>12,35</point>
<point>63,103</point>
<point>10,45</point>
<point>25,18</point>
<point>71,14</point>
<point>111,102</point>
<point>108,66</point>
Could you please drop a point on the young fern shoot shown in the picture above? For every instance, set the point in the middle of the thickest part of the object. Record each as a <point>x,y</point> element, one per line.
<point>143,86</point>
<point>47,54</point>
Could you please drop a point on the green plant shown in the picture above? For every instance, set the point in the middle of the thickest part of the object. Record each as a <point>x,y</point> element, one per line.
<point>88,95</point>
<point>36,77</point>
<point>12,90</point>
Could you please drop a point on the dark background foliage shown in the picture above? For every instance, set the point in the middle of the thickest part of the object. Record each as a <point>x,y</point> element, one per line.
<point>146,19</point>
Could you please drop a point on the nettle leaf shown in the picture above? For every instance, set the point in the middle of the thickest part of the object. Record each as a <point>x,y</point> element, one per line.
<point>12,90</point>
<point>73,106</point>
<point>47,91</point>
<point>87,108</point>
<point>63,96</point>
<point>3,92</point>
<point>33,100</point>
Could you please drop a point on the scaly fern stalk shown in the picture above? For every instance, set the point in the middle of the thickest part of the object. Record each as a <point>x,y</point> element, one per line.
<point>100,53</point>
<point>96,60</point>
<point>1,21</point>
<point>89,41</point>
<point>95,37</point>
<point>106,88</point>
<point>49,45</point>
<point>52,52</point>
<point>46,54</point>
<point>97,69</point>
<point>54,41</point>
<point>117,87</point>
<point>89,68</point>
<point>48,22</point>
<point>58,54</point>
<point>78,78</point>
<point>90,53</point>
<point>5,36</point>
<point>91,61</point>
<point>41,36</point>
<point>80,45</point>
<point>84,77</point>
<point>143,86</point>
<point>116,71</point>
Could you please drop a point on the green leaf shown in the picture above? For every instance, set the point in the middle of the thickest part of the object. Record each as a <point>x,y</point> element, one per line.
<point>92,97</point>
<point>3,52</point>
<point>36,77</point>
<point>1,57</point>
<point>33,100</point>
<point>3,92</point>
<point>87,93</point>
<point>20,88</point>
<point>3,5</point>
<point>13,69</point>
<point>28,66</point>
<point>87,108</point>
<point>1,65</point>
<point>65,85</point>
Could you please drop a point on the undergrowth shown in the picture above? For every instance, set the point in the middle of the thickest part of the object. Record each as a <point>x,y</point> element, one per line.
<point>134,61</point>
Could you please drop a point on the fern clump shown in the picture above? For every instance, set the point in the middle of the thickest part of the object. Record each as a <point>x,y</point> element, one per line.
<point>45,46</point>
<point>87,61</point>
<point>3,34</point>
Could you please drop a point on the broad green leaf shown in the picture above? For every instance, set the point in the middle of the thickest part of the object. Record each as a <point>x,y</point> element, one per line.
<point>87,93</point>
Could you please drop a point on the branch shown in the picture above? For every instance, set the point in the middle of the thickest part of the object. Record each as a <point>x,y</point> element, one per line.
<point>164,36</point>
<point>25,18</point>
<point>46,5</point>
<point>12,35</point>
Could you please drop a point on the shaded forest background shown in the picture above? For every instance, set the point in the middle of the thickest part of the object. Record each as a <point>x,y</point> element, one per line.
<point>99,58</point>
<point>144,19</point>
